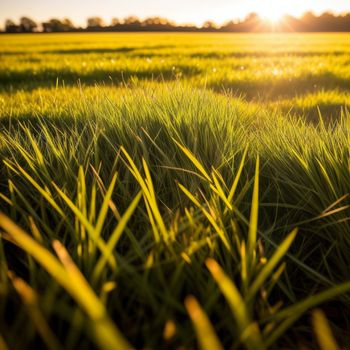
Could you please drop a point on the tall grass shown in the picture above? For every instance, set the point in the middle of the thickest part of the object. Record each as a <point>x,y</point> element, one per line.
<point>165,216</point>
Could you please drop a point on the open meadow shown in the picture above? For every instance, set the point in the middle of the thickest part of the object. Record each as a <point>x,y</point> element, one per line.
<point>174,191</point>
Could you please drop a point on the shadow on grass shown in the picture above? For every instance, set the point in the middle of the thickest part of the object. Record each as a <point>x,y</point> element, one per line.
<point>276,88</point>
<point>269,54</point>
<point>271,89</point>
<point>80,51</point>
<point>329,113</point>
<point>27,80</point>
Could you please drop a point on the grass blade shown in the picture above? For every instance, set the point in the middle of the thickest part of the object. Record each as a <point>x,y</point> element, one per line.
<point>207,338</point>
<point>249,331</point>
<point>116,235</point>
<point>323,331</point>
<point>254,212</point>
<point>271,264</point>
<point>194,161</point>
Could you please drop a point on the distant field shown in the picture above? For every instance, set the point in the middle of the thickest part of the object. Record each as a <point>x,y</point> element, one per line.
<point>152,186</point>
<point>302,70</point>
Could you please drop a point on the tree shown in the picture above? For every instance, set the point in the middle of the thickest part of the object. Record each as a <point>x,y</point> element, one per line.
<point>116,22</point>
<point>229,26</point>
<point>95,22</point>
<point>209,25</point>
<point>53,25</point>
<point>131,20</point>
<point>155,21</point>
<point>56,25</point>
<point>27,25</point>
<point>308,22</point>
<point>11,26</point>
<point>67,25</point>
<point>252,18</point>
<point>251,23</point>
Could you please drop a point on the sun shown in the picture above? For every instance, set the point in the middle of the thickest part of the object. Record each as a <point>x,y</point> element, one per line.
<point>271,10</point>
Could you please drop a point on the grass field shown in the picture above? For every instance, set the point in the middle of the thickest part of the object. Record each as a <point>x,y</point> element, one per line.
<point>175,191</point>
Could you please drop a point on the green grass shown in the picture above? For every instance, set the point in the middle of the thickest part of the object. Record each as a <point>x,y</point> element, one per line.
<point>254,65</point>
<point>205,205</point>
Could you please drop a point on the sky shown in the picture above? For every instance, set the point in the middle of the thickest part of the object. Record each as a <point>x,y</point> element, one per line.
<point>181,11</point>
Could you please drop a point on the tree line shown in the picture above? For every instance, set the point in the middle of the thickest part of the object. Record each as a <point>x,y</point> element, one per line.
<point>327,22</point>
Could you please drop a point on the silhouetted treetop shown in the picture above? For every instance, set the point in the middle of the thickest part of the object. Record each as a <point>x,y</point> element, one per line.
<point>27,25</point>
<point>57,25</point>
<point>11,26</point>
<point>94,22</point>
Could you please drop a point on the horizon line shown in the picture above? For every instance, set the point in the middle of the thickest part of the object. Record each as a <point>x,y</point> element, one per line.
<point>180,23</point>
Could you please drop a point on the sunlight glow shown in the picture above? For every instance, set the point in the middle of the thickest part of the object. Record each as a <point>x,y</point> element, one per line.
<point>271,10</point>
